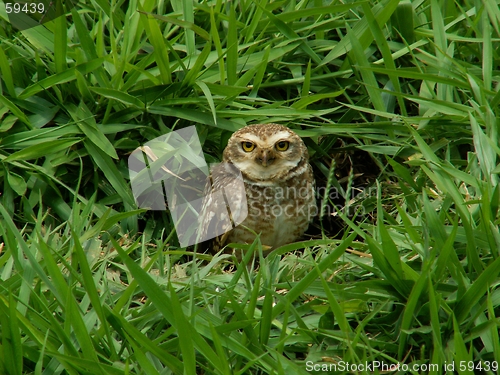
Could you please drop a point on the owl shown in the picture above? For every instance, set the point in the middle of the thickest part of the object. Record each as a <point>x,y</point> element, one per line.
<point>278,185</point>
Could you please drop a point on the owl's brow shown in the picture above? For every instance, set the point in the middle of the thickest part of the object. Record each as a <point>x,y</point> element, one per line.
<point>270,141</point>
<point>249,138</point>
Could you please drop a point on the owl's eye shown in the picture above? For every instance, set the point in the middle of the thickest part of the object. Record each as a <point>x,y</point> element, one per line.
<point>247,146</point>
<point>282,145</point>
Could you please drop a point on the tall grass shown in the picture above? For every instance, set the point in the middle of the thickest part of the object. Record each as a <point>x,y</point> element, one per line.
<point>91,285</point>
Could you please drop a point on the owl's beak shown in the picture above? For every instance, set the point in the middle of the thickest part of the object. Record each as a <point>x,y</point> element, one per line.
<point>266,158</point>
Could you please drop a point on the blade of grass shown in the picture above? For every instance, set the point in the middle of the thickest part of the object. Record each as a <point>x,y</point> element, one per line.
<point>299,288</point>
<point>164,304</point>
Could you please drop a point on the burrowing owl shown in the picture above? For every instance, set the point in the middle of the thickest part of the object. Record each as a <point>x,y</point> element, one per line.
<point>278,184</point>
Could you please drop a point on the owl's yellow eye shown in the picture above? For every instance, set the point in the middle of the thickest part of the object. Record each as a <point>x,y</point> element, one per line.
<point>282,145</point>
<point>247,146</point>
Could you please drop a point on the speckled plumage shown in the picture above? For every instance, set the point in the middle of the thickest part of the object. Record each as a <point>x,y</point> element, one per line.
<point>279,186</point>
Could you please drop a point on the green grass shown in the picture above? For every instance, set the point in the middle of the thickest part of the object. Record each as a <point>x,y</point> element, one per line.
<point>91,285</point>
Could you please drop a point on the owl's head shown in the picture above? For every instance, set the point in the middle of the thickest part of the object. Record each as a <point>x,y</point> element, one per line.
<point>266,152</point>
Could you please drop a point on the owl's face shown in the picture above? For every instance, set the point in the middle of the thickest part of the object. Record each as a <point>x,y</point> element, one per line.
<point>265,151</point>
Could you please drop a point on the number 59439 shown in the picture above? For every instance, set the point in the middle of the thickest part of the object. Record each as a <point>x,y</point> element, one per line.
<point>24,8</point>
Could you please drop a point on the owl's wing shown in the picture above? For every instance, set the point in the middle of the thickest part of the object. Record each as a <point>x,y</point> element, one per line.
<point>224,205</point>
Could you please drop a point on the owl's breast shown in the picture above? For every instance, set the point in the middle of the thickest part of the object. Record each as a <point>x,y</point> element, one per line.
<point>280,212</point>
